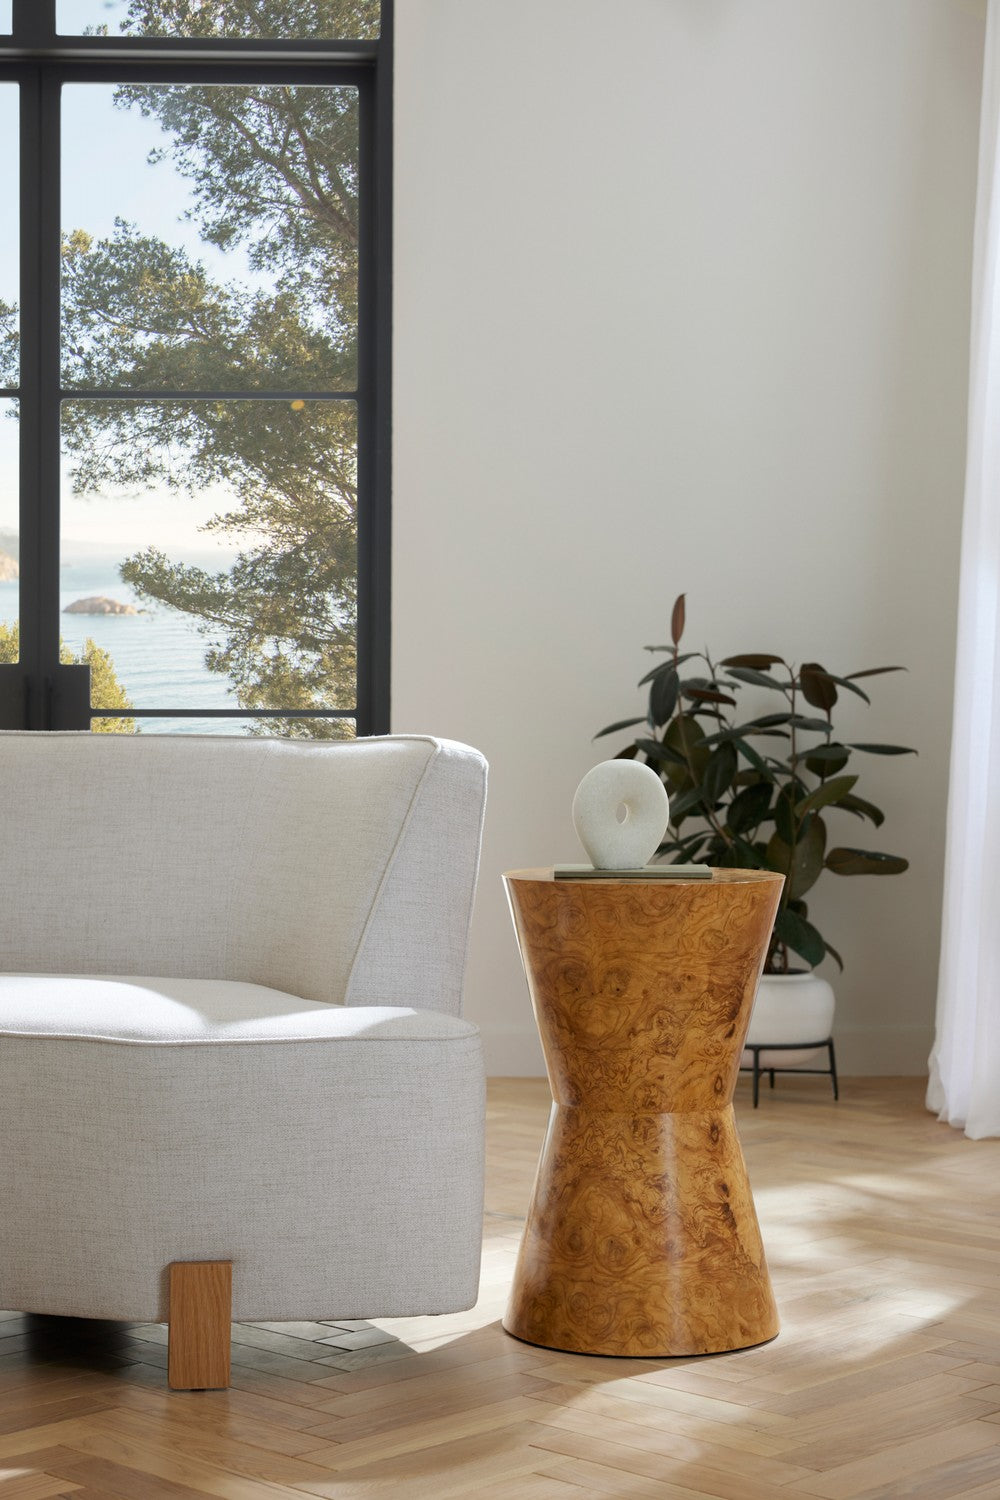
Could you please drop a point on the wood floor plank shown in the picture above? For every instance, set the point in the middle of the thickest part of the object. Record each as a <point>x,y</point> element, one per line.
<point>15,1486</point>
<point>857,1479</point>
<point>446,1471</point>
<point>50,1434</point>
<point>842,1419</point>
<point>891,1375</point>
<point>124,1483</point>
<point>226,1454</point>
<point>669,1398</point>
<point>661,1438</point>
<point>218,1421</point>
<point>431,1432</point>
<point>607,1481</point>
<point>178,1467</point>
<point>367,1427</point>
<point>634,1401</point>
<point>975,1474</point>
<point>699,1478</point>
<point>537,1487</point>
<point>883,1431</point>
<point>439,1386</point>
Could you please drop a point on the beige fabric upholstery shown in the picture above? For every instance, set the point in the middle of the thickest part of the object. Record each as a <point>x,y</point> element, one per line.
<point>214,1012</point>
<point>256,859</point>
<point>232,1106</point>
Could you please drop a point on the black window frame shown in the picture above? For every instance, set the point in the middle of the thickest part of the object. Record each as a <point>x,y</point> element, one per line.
<point>38,692</point>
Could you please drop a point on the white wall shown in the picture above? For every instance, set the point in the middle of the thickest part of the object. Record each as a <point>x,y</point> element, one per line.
<point>681,303</point>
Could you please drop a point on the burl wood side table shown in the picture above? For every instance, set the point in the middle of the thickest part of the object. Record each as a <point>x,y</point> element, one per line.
<point>642,1237</point>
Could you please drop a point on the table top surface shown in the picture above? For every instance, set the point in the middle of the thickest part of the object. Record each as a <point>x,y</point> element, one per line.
<point>719,877</point>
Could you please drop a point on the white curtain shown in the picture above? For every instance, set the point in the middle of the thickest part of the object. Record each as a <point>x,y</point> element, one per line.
<point>964,1084</point>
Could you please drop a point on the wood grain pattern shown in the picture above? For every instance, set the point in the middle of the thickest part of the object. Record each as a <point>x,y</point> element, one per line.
<point>201,1300</point>
<point>642,1236</point>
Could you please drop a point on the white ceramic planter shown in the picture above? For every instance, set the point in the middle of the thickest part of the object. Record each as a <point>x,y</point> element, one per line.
<point>791,1008</point>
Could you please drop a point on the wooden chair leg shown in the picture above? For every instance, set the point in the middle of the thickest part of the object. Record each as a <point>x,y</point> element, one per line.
<point>200,1313</point>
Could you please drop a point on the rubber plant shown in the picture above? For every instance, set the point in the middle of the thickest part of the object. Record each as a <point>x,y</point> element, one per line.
<point>757,793</point>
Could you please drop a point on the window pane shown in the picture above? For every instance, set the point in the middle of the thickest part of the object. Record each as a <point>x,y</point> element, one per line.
<point>6,16</point>
<point>9,261</point>
<point>9,542</point>
<point>221,252</point>
<point>209,549</point>
<point>316,20</point>
<point>335,729</point>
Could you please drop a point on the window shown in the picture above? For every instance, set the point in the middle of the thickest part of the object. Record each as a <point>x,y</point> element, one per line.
<point>194,323</point>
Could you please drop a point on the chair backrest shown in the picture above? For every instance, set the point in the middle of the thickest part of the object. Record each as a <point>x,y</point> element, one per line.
<point>341,872</point>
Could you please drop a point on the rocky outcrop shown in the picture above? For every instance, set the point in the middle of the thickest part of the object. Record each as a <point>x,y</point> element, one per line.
<point>8,568</point>
<point>98,604</point>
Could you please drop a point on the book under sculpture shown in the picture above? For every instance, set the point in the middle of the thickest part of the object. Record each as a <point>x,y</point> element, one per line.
<point>646,872</point>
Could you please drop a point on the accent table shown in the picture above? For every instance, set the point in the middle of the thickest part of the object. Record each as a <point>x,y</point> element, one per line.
<point>642,1237</point>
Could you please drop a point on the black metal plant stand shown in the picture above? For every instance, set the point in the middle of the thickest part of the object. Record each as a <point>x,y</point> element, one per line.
<point>758,1048</point>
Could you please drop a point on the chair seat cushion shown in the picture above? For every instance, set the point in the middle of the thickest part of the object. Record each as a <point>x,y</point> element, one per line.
<point>332,1153</point>
<point>185,1012</point>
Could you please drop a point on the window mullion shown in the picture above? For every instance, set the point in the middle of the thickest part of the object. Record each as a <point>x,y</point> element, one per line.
<point>34,22</point>
<point>50,361</point>
<point>29,526</point>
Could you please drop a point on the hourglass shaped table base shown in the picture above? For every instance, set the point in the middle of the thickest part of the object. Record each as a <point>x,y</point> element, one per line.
<point>642,1237</point>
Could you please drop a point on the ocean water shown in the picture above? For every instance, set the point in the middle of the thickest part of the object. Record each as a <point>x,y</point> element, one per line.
<point>159,655</point>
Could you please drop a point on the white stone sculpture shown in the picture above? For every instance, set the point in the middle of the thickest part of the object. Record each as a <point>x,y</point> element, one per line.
<point>631,843</point>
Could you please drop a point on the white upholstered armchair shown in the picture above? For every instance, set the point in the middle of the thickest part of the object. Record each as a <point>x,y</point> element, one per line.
<point>230,1032</point>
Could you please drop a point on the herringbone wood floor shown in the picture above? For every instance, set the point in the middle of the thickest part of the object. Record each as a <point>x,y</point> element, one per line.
<point>882,1229</point>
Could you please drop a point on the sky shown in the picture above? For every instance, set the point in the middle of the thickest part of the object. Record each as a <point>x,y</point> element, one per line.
<point>106,174</point>
<point>78,15</point>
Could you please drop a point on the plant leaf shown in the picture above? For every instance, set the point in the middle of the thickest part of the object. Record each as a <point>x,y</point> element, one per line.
<point>708,695</point>
<point>661,668</point>
<point>827,760</point>
<point>663,696</point>
<point>685,802</point>
<point>863,809</point>
<point>801,936</point>
<point>677,619</point>
<point>719,772</point>
<point>831,791</point>
<point>874,672</point>
<point>884,749</point>
<point>831,950</point>
<point>817,726</point>
<point>865,862</point>
<point>759,679</point>
<point>757,761</point>
<point>749,807</point>
<point>614,728</point>
<point>748,854</point>
<point>686,841</point>
<point>629,753</point>
<point>684,656</point>
<point>739,731</point>
<point>658,751</point>
<point>784,818</point>
<point>685,737</point>
<point>756,659</point>
<point>818,687</point>
<point>852,687</point>
<point>765,721</point>
<point>803,865</point>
